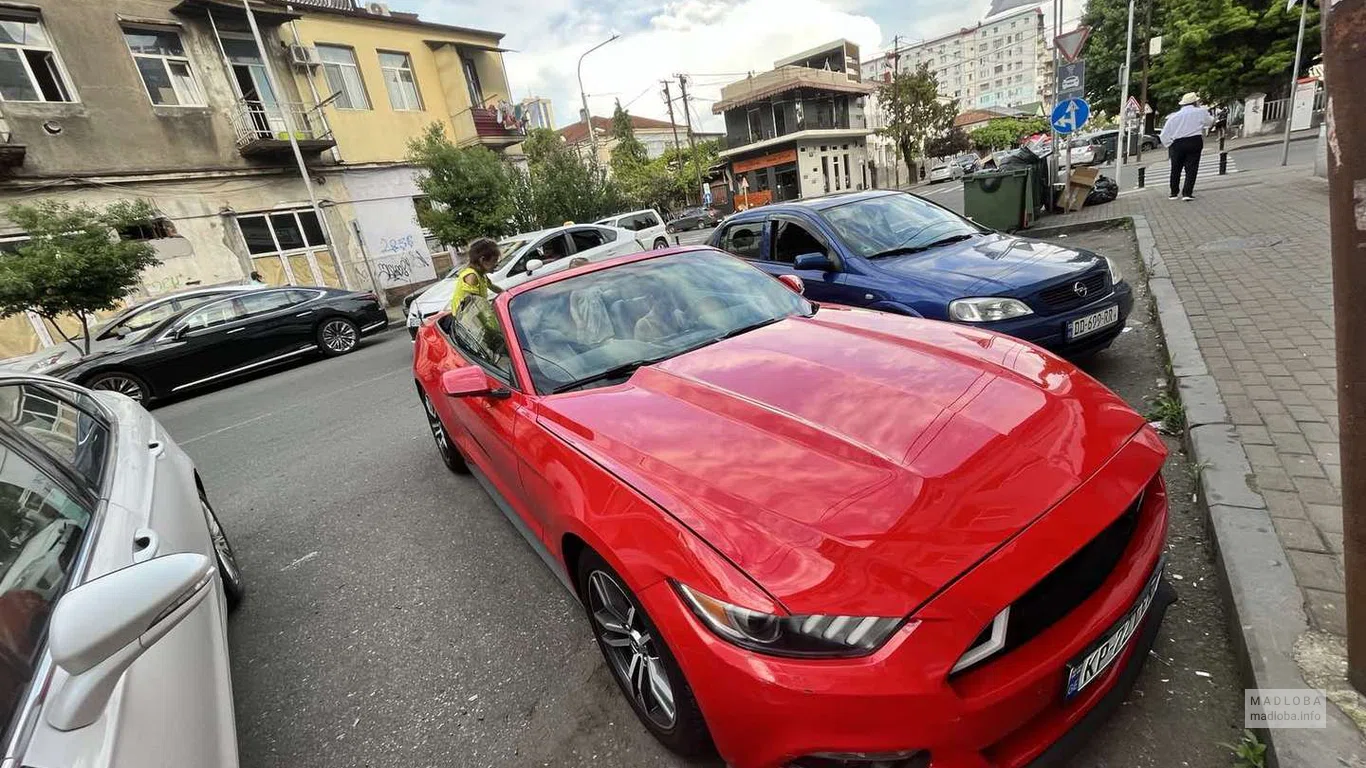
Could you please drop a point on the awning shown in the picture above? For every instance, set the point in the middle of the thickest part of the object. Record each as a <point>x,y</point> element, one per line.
<point>268,15</point>
<point>434,44</point>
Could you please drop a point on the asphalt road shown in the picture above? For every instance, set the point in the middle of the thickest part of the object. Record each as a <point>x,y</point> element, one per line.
<point>395,618</point>
<point>950,194</point>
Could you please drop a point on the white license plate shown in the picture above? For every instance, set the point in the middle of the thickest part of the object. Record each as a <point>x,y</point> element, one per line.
<point>1084,670</point>
<point>1093,322</point>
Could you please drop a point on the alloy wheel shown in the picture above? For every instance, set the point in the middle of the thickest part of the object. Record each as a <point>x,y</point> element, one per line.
<point>438,431</point>
<point>339,336</point>
<point>117,382</point>
<point>226,559</point>
<point>630,648</point>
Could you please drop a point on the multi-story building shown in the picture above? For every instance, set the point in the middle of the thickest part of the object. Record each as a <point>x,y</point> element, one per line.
<point>538,113</point>
<point>176,103</point>
<point>1003,61</point>
<point>798,130</point>
<point>657,136</point>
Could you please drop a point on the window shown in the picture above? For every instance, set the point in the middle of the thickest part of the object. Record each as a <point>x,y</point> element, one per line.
<point>472,80</point>
<point>290,229</point>
<point>794,240</point>
<point>743,239</point>
<point>343,77</point>
<point>585,239</point>
<point>608,236</point>
<point>756,129</point>
<point>41,532</point>
<point>217,313</point>
<point>400,81</point>
<point>28,64</point>
<point>476,332</point>
<point>262,303</point>
<point>156,229</point>
<point>71,431</point>
<point>165,70</point>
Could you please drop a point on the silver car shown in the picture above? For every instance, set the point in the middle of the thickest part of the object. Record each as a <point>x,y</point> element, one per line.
<point>115,585</point>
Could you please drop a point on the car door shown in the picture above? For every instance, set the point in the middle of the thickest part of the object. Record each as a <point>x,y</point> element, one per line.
<point>274,324</point>
<point>173,706</point>
<point>196,348</point>
<point>489,423</point>
<point>744,239</point>
<point>792,237</point>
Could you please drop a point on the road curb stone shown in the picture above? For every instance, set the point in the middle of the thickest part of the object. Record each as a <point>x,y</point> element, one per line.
<point>1269,613</point>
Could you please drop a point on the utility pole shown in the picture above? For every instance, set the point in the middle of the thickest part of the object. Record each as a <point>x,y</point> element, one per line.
<point>588,116</point>
<point>1294,82</point>
<point>687,119</point>
<point>1143,89</point>
<point>1053,164</point>
<point>1123,146</point>
<point>669,101</point>
<point>1344,59</point>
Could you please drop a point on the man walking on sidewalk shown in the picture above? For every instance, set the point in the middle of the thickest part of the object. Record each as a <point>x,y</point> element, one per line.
<point>1183,136</point>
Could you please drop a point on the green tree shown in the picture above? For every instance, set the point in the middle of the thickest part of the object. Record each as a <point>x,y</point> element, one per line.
<point>914,111</point>
<point>628,154</point>
<point>561,186</point>
<point>955,142</point>
<point>470,189</point>
<point>1006,132</point>
<point>73,262</point>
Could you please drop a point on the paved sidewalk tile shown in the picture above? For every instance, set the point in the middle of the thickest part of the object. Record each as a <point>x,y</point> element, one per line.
<point>1250,261</point>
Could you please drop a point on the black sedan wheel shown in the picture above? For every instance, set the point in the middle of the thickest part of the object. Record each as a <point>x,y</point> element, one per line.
<point>641,663</point>
<point>121,382</point>
<point>450,455</point>
<point>234,587</point>
<point>337,336</point>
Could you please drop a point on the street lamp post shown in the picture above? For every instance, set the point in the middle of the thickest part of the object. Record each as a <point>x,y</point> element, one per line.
<point>588,116</point>
<point>1294,81</point>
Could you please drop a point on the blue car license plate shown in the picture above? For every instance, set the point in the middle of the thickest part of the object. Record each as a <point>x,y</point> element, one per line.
<point>1093,322</point>
<point>1086,668</point>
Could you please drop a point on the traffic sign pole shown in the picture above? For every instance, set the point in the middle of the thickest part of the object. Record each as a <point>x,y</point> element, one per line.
<point>1124,99</point>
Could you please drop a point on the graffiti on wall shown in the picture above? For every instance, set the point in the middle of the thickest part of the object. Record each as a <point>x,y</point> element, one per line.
<point>401,260</point>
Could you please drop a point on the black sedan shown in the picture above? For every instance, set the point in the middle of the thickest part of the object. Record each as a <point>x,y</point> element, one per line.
<point>693,218</point>
<point>230,336</point>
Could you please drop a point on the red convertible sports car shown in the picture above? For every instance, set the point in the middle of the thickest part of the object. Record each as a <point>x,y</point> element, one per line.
<point>809,535</point>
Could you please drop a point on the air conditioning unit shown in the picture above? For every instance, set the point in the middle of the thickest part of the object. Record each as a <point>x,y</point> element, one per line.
<point>304,56</point>
<point>378,9</point>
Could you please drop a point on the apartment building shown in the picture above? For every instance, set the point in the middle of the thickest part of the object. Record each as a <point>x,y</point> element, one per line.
<point>798,130</point>
<point>176,103</point>
<point>1003,61</point>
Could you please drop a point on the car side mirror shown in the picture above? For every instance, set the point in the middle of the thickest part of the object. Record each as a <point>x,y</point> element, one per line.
<point>793,283</point>
<point>101,627</point>
<point>534,264</point>
<point>469,381</point>
<point>817,261</point>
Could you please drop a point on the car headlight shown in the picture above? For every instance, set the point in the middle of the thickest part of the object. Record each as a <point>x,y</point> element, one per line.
<point>1116,277</point>
<point>807,636</point>
<point>987,309</point>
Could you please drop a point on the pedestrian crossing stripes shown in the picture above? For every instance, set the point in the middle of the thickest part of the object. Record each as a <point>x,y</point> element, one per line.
<point>1209,164</point>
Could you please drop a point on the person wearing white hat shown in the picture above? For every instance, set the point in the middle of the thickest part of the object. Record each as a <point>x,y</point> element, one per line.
<point>1183,136</point>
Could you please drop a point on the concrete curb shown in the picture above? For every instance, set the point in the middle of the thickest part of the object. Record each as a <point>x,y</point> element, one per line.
<point>1268,605</point>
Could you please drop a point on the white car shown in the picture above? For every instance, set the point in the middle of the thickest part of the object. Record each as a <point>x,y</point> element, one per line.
<point>528,255</point>
<point>1082,152</point>
<point>940,173</point>
<point>115,586</point>
<point>646,223</point>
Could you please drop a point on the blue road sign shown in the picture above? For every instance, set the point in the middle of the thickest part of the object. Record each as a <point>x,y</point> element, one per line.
<point>1070,115</point>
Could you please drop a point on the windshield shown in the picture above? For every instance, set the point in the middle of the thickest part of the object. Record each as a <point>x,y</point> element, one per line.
<point>892,223</point>
<point>510,248</point>
<point>133,321</point>
<point>575,332</point>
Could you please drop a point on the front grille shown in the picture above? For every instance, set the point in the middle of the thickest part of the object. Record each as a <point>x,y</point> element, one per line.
<point>1065,296</point>
<point>1070,584</point>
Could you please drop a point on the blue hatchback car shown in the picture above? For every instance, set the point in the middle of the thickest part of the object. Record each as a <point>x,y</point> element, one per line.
<point>896,252</point>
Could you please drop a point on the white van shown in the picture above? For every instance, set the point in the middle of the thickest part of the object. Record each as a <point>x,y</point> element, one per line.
<point>647,224</point>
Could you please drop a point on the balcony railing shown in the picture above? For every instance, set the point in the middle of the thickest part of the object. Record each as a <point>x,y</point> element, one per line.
<point>264,127</point>
<point>489,125</point>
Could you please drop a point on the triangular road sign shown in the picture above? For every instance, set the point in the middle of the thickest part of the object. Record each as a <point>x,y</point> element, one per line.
<point>1069,43</point>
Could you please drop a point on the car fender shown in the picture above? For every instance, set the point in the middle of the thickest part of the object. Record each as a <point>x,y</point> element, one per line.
<point>894,307</point>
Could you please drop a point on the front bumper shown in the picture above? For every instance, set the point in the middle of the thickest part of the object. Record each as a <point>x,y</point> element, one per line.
<point>1008,711</point>
<point>1050,331</point>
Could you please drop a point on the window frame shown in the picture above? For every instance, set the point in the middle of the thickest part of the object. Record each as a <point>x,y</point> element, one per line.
<point>182,321</point>
<point>384,71</point>
<point>775,230</point>
<point>63,77</point>
<point>199,101</point>
<point>760,250</point>
<point>592,230</point>
<point>509,377</point>
<point>274,238</point>
<point>360,77</point>
<point>61,470</point>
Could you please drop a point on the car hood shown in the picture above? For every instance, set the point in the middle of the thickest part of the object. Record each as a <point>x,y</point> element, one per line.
<point>989,265</point>
<point>854,462</point>
<point>62,355</point>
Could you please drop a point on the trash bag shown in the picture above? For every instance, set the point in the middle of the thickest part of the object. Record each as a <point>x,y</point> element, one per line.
<point>1105,191</point>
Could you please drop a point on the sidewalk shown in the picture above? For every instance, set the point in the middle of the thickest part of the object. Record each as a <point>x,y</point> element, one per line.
<point>1249,261</point>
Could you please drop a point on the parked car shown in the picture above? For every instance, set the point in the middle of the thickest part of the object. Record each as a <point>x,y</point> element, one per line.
<point>117,330</point>
<point>899,253</point>
<point>646,223</point>
<point>1082,151</point>
<point>693,218</point>
<point>968,163</point>
<point>232,335</point>
<point>800,529</point>
<point>1109,143</point>
<point>114,589</point>
<point>943,172</point>
<point>542,252</point>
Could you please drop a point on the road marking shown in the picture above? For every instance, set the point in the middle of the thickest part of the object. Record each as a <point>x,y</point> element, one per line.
<point>943,191</point>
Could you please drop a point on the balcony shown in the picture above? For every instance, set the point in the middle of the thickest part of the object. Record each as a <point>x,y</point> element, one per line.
<point>262,129</point>
<point>766,85</point>
<point>490,129</point>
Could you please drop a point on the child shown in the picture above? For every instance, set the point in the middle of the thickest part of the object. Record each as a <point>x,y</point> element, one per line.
<point>473,280</point>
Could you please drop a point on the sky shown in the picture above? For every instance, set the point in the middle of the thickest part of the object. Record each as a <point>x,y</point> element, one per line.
<point>714,41</point>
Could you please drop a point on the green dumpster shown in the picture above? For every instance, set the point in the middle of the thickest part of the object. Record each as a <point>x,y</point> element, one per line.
<point>1000,199</point>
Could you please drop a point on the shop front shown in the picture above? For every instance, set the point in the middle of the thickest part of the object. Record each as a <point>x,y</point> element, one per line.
<point>767,178</point>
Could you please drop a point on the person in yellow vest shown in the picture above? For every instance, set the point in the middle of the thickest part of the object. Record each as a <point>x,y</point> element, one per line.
<point>473,280</point>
